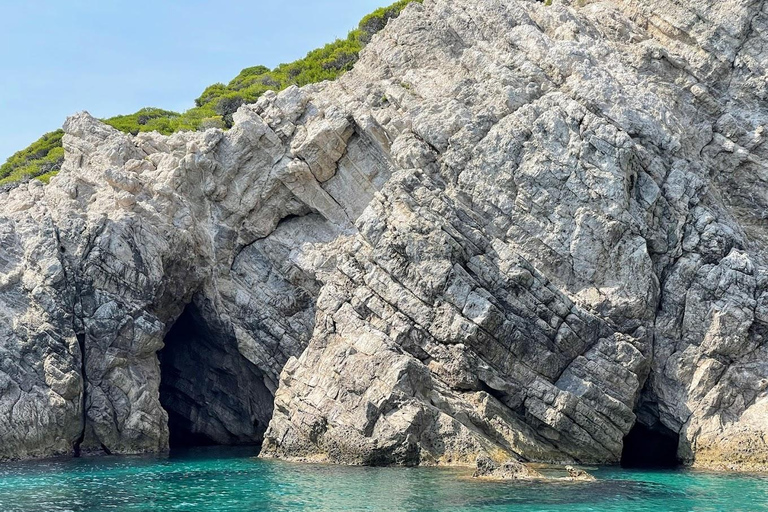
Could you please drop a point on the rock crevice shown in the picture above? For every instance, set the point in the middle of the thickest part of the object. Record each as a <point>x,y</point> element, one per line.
<point>514,231</point>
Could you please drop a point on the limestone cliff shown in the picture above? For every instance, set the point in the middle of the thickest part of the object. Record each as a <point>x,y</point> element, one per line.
<point>513,230</point>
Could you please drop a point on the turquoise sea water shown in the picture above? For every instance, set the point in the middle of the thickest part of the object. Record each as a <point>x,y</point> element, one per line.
<point>214,480</point>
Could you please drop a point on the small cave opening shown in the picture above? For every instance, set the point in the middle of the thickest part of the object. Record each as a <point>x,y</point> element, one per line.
<point>213,395</point>
<point>650,447</point>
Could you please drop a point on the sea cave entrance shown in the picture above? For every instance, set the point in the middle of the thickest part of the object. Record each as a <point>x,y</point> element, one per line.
<point>213,395</point>
<point>650,447</point>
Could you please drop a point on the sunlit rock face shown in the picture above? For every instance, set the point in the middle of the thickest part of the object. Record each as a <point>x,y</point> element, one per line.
<point>513,231</point>
<point>98,267</point>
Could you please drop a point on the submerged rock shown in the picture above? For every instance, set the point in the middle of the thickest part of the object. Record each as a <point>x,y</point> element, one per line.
<point>578,474</point>
<point>512,231</point>
<point>489,469</point>
<point>509,470</point>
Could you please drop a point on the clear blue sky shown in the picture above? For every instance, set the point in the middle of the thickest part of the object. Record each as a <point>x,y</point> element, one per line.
<point>114,57</point>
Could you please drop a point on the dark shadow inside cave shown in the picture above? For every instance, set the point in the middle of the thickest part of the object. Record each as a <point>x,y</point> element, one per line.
<point>213,395</point>
<point>650,447</point>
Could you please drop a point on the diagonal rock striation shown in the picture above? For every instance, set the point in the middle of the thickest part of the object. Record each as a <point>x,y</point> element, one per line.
<point>514,231</point>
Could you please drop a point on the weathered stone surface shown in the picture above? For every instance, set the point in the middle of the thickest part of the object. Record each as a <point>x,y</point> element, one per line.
<point>574,241</point>
<point>512,231</point>
<point>509,470</point>
<point>98,266</point>
<point>578,474</point>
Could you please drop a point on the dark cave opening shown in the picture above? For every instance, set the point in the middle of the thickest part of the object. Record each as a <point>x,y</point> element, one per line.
<point>650,447</point>
<point>213,395</point>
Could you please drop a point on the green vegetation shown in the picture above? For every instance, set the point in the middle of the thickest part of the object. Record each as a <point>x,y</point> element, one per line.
<point>217,103</point>
<point>44,156</point>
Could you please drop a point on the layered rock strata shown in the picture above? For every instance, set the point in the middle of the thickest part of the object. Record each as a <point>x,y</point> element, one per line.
<point>513,231</point>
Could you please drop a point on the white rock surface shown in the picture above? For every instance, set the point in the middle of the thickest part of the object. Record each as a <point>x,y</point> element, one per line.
<point>512,231</point>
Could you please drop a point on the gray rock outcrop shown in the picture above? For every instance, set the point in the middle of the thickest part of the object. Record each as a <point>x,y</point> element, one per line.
<point>513,231</point>
<point>510,470</point>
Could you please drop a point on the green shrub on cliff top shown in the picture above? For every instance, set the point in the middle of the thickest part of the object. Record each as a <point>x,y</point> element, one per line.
<point>217,103</point>
<point>43,156</point>
<point>145,120</point>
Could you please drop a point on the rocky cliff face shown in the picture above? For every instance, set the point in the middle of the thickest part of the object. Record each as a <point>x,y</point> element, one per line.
<point>514,230</point>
